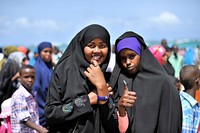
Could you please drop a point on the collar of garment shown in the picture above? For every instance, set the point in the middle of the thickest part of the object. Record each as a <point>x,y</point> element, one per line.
<point>189,98</point>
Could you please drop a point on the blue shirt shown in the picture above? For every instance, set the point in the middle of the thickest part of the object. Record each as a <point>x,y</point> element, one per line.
<point>191,113</point>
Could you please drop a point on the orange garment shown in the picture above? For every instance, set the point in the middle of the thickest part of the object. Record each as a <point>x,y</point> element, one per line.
<point>198,96</point>
<point>22,49</point>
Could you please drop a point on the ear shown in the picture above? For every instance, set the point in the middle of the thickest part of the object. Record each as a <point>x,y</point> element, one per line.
<point>197,81</point>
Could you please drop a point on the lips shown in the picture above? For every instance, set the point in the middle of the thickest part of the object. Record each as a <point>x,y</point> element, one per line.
<point>96,57</point>
<point>130,68</point>
<point>29,85</point>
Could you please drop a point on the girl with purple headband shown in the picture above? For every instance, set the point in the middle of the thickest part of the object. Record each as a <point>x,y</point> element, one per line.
<point>147,101</point>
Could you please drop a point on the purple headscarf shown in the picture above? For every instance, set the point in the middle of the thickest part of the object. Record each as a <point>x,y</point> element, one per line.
<point>130,43</point>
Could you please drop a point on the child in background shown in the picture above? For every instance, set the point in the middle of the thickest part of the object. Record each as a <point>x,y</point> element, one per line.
<point>5,116</point>
<point>190,79</point>
<point>24,113</point>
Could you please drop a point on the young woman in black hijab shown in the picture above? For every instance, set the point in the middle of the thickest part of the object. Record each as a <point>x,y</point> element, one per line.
<point>78,83</point>
<point>155,106</point>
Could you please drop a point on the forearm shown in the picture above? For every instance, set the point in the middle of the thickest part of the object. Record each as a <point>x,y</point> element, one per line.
<point>102,92</point>
<point>58,112</point>
<point>32,125</point>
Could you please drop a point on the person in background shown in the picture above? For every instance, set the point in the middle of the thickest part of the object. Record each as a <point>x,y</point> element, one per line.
<point>176,82</point>
<point>167,65</point>
<point>9,74</point>
<point>56,55</point>
<point>24,109</point>
<point>7,51</point>
<point>33,59</point>
<point>189,57</point>
<point>22,49</point>
<point>190,79</point>
<point>1,54</point>
<point>197,62</point>
<point>176,60</point>
<point>158,51</point>
<point>162,55</point>
<point>145,103</point>
<point>5,126</point>
<point>164,43</point>
<point>19,57</point>
<point>43,67</point>
<point>112,60</point>
<point>78,91</point>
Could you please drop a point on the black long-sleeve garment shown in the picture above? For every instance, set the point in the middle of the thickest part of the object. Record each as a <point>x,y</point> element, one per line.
<point>68,107</point>
<point>158,107</point>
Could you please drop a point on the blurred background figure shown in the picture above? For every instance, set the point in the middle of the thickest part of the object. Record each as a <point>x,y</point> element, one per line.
<point>43,67</point>
<point>1,54</point>
<point>7,51</point>
<point>189,58</point>
<point>34,58</point>
<point>56,54</point>
<point>197,56</point>
<point>167,65</point>
<point>176,82</point>
<point>22,49</point>
<point>164,43</point>
<point>5,126</point>
<point>158,51</point>
<point>112,60</point>
<point>162,55</point>
<point>176,60</point>
<point>10,73</point>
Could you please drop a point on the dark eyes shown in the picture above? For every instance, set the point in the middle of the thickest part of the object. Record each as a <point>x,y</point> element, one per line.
<point>26,77</point>
<point>47,51</point>
<point>130,57</point>
<point>93,45</point>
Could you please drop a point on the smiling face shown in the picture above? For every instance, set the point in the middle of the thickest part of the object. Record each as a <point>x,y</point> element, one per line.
<point>27,78</point>
<point>96,50</point>
<point>129,60</point>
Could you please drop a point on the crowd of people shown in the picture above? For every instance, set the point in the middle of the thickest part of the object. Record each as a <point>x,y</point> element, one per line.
<point>96,87</point>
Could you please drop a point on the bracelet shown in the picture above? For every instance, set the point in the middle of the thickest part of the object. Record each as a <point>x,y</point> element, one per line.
<point>103,98</point>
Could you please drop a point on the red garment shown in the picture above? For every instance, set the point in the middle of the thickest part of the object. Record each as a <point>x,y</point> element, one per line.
<point>6,127</point>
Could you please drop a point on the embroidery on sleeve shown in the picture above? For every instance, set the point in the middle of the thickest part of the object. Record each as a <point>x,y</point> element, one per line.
<point>80,101</point>
<point>67,108</point>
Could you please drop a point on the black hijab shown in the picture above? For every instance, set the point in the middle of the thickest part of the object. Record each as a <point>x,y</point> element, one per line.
<point>158,106</point>
<point>69,81</point>
<point>74,62</point>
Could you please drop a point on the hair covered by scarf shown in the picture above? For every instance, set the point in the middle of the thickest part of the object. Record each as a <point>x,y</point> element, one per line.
<point>73,63</point>
<point>44,45</point>
<point>130,43</point>
<point>69,82</point>
<point>152,85</point>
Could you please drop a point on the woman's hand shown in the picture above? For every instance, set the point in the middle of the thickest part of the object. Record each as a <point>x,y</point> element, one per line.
<point>127,100</point>
<point>96,76</point>
<point>93,97</point>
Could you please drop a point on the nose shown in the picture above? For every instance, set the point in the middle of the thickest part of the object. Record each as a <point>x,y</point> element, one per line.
<point>30,79</point>
<point>96,49</point>
<point>128,62</point>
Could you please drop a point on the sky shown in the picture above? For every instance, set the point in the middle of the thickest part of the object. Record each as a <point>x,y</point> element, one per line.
<point>27,22</point>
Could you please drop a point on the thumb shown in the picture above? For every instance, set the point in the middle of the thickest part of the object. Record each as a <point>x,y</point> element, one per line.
<point>125,85</point>
<point>126,88</point>
<point>95,63</point>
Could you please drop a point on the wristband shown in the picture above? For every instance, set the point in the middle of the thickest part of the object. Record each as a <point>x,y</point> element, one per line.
<point>103,98</point>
